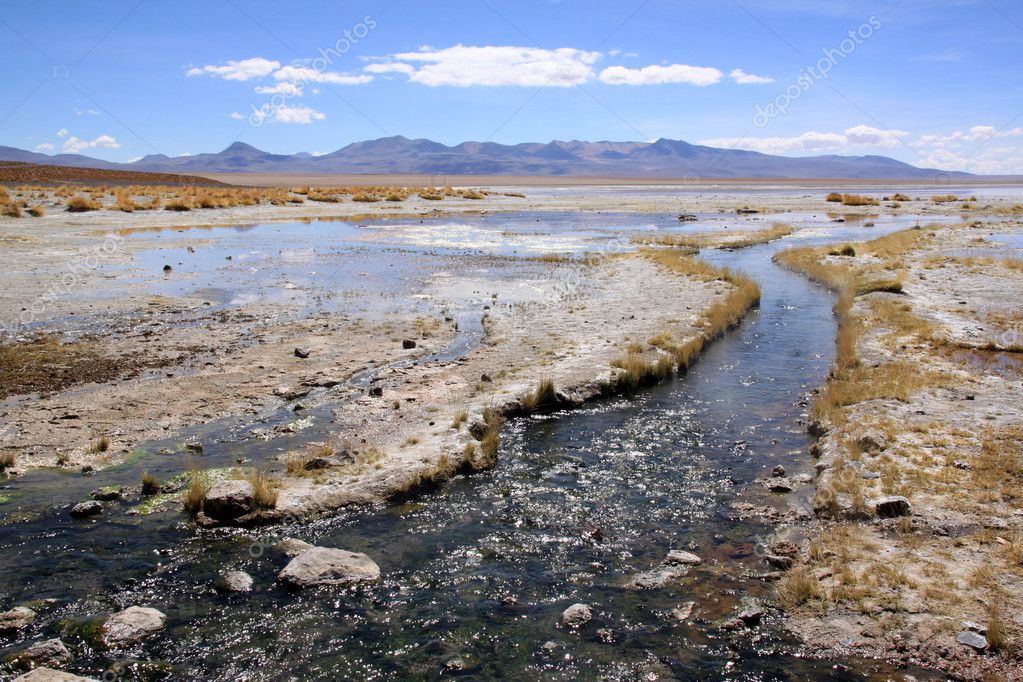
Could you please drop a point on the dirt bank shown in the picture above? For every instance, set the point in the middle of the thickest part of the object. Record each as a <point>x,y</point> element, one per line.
<point>919,556</point>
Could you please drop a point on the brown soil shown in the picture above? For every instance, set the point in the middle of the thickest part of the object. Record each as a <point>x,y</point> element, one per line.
<point>17,173</point>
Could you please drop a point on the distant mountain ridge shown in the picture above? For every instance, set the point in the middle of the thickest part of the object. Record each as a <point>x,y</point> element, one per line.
<point>400,155</point>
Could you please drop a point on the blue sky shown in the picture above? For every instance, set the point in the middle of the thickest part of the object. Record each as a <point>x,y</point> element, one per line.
<point>935,83</point>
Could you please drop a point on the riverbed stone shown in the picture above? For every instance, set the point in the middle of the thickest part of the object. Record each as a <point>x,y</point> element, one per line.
<point>328,566</point>
<point>292,547</point>
<point>107,494</point>
<point>51,675</point>
<point>680,557</point>
<point>84,510</point>
<point>50,652</point>
<point>892,506</point>
<point>683,611</point>
<point>132,625</point>
<point>16,619</point>
<point>408,344</point>
<point>227,500</point>
<point>235,581</point>
<point>576,615</point>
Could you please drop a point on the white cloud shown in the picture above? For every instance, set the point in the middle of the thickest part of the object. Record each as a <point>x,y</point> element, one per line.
<point>62,132</point>
<point>390,67</point>
<point>44,147</point>
<point>466,65</point>
<point>286,89</point>
<point>86,112</point>
<point>242,70</point>
<point>660,75</point>
<point>301,115</point>
<point>976,134</point>
<point>743,78</point>
<point>73,145</point>
<point>811,141</point>
<point>236,116</point>
<point>303,74</point>
<point>875,137</point>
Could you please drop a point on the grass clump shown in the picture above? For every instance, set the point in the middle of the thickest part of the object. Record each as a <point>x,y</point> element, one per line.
<point>264,489</point>
<point>491,440</point>
<point>197,485</point>
<point>150,484</point>
<point>37,211</point>
<point>101,444</point>
<point>77,204</point>
<point>901,198</point>
<point>859,200</point>
<point>7,461</point>
<point>797,587</point>
<point>543,397</point>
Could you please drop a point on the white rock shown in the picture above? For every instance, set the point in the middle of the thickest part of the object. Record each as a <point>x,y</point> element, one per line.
<point>327,566</point>
<point>576,615</point>
<point>50,675</point>
<point>131,625</point>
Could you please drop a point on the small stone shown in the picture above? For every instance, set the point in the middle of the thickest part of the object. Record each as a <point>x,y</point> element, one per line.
<point>606,635</point>
<point>873,442</point>
<point>107,495</point>
<point>302,353</point>
<point>16,619</point>
<point>327,566</point>
<point>576,615</point>
<point>779,485</point>
<point>132,625</point>
<point>892,506</point>
<point>751,616</point>
<point>86,509</point>
<point>408,344</point>
<point>486,378</point>
<point>50,652</point>
<point>235,581</point>
<point>974,640</point>
<point>780,562</point>
<point>683,611</point>
<point>456,664</point>
<point>291,392</point>
<point>167,268</point>
<point>975,627</point>
<point>679,557</point>
<point>376,391</point>
<point>778,471</point>
<point>962,465</point>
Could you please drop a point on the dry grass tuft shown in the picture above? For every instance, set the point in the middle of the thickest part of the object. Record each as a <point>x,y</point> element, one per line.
<point>797,587</point>
<point>544,397</point>
<point>37,211</point>
<point>7,461</point>
<point>197,485</point>
<point>150,484</point>
<point>78,204</point>
<point>264,489</point>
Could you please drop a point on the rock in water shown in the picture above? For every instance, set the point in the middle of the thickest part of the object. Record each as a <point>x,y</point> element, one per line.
<point>893,506</point>
<point>131,625</point>
<point>292,547</point>
<point>678,557</point>
<point>51,675</point>
<point>327,566</point>
<point>576,615</point>
<point>235,581</point>
<point>228,500</point>
<point>16,619</point>
<point>86,509</point>
<point>50,652</point>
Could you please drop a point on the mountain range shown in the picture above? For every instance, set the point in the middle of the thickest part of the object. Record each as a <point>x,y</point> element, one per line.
<point>400,155</point>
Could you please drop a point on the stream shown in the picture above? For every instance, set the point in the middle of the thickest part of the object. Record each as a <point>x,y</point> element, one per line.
<point>477,572</point>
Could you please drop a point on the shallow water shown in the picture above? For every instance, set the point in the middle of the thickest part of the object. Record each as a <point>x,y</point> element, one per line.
<point>480,569</point>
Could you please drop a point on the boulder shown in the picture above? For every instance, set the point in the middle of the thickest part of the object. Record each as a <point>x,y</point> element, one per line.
<point>50,652</point>
<point>16,619</point>
<point>302,353</point>
<point>51,675</point>
<point>892,506</point>
<point>652,580</point>
<point>228,500</point>
<point>235,581</point>
<point>576,615</point>
<point>86,509</point>
<point>327,566</point>
<point>132,625</point>
<point>751,615</point>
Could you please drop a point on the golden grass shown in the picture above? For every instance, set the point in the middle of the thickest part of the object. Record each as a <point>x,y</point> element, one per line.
<point>901,198</point>
<point>543,397</point>
<point>37,211</point>
<point>101,444</point>
<point>11,210</point>
<point>197,485</point>
<point>264,489</point>
<point>797,587</point>
<point>150,484</point>
<point>7,461</point>
<point>851,199</point>
<point>77,204</point>
<point>491,440</point>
